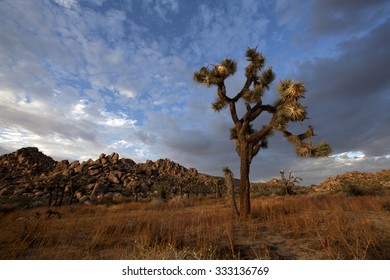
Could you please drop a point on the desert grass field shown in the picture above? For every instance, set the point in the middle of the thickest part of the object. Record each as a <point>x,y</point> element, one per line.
<point>290,227</point>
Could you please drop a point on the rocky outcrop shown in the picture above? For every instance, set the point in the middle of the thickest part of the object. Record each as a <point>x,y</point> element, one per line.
<point>167,167</point>
<point>27,174</point>
<point>23,165</point>
<point>355,179</point>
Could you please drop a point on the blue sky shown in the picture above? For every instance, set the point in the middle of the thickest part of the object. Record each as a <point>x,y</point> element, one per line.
<point>78,78</point>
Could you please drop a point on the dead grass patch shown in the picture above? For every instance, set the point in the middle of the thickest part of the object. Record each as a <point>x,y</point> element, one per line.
<point>297,227</point>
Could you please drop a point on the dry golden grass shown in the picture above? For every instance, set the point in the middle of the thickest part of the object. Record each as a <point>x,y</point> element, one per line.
<point>300,227</point>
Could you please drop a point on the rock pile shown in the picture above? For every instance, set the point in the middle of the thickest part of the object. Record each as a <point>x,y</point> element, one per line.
<point>27,174</point>
<point>22,164</point>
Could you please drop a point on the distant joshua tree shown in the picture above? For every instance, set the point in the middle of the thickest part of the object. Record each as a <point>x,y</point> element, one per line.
<point>57,184</point>
<point>248,140</point>
<point>216,183</point>
<point>290,182</point>
<point>75,183</point>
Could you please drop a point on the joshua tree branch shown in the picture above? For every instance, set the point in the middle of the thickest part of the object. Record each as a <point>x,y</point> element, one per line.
<point>244,89</point>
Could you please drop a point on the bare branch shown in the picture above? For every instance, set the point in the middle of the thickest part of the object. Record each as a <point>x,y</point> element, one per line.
<point>245,88</point>
<point>233,113</point>
<point>267,129</point>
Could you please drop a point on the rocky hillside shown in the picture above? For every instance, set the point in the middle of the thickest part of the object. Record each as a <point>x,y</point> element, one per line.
<point>350,183</point>
<point>29,176</point>
<point>357,183</point>
<point>23,165</point>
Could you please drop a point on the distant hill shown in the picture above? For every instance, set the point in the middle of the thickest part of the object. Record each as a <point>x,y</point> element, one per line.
<point>357,183</point>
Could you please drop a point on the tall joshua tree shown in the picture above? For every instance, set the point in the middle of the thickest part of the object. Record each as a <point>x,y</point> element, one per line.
<point>248,140</point>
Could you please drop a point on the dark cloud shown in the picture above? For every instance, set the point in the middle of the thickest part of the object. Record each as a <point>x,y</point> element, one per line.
<point>339,16</point>
<point>348,94</point>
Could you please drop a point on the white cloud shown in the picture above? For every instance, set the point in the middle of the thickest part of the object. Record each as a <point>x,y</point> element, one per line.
<point>351,155</point>
<point>78,111</point>
<point>162,7</point>
<point>125,92</point>
<point>66,3</point>
<point>120,122</point>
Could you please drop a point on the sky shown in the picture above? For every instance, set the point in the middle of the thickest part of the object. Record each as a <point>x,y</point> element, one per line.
<point>83,77</point>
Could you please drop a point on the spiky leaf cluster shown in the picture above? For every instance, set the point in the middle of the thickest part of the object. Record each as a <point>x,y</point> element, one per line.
<point>219,104</point>
<point>234,133</point>
<point>309,149</point>
<point>230,65</point>
<point>289,108</point>
<point>202,76</point>
<point>257,62</point>
<point>217,73</point>
<point>322,150</point>
<point>254,95</point>
<point>255,57</point>
<point>267,77</point>
<point>295,112</point>
<point>260,84</point>
<point>289,89</point>
<point>225,169</point>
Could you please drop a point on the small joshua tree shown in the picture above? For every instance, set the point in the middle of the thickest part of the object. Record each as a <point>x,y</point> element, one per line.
<point>216,184</point>
<point>248,140</point>
<point>57,184</point>
<point>75,183</point>
<point>290,182</point>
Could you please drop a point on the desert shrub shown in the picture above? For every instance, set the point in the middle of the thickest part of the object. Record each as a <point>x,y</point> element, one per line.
<point>355,187</point>
<point>263,189</point>
<point>15,202</point>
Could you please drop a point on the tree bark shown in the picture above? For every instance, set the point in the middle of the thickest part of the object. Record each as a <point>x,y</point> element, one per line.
<point>245,206</point>
<point>230,192</point>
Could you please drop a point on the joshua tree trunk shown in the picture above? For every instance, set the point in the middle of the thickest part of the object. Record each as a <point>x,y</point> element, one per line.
<point>180,188</point>
<point>72,192</point>
<point>216,189</point>
<point>244,178</point>
<point>71,196</point>
<point>230,191</point>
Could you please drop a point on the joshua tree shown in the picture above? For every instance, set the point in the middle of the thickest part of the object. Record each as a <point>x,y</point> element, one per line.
<point>248,140</point>
<point>180,186</point>
<point>75,183</point>
<point>194,184</point>
<point>56,183</point>
<point>136,189</point>
<point>290,182</point>
<point>216,184</point>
